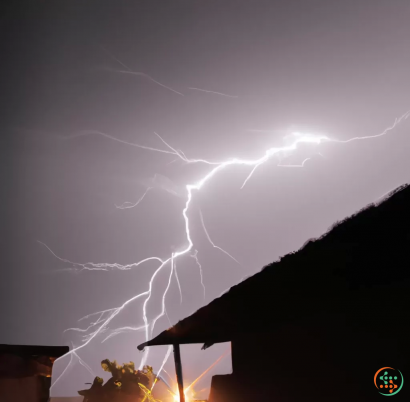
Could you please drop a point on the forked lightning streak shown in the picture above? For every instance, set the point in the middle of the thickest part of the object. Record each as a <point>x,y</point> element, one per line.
<point>100,325</point>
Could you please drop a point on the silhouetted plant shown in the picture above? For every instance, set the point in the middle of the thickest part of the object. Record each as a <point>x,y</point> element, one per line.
<point>126,384</point>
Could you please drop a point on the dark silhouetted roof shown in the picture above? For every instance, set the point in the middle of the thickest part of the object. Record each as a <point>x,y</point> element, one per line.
<point>21,361</point>
<point>30,350</point>
<point>366,255</point>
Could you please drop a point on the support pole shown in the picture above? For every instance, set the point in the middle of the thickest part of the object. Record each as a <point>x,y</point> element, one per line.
<point>178,370</point>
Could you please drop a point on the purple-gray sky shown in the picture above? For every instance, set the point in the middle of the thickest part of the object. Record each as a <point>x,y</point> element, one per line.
<point>338,68</point>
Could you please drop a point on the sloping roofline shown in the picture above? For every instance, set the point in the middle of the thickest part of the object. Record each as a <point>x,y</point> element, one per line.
<point>187,331</point>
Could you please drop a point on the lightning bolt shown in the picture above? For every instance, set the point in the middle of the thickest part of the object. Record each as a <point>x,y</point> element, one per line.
<point>195,257</point>
<point>150,78</point>
<point>210,240</point>
<point>128,205</point>
<point>169,350</point>
<point>213,92</point>
<point>129,71</point>
<point>69,366</point>
<point>104,318</point>
<point>179,283</point>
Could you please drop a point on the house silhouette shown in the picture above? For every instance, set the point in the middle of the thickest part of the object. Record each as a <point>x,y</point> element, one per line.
<point>320,322</point>
<point>25,372</point>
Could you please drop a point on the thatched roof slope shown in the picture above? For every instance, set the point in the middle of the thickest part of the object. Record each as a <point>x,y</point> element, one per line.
<point>345,271</point>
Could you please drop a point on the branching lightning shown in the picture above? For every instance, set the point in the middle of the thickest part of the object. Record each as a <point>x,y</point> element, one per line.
<point>104,318</point>
<point>128,205</point>
<point>122,330</point>
<point>176,277</point>
<point>149,77</point>
<point>169,350</point>
<point>195,257</point>
<point>129,71</point>
<point>210,240</point>
<point>213,92</point>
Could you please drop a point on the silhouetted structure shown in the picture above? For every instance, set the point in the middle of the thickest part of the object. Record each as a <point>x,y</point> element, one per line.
<point>25,372</point>
<point>319,323</point>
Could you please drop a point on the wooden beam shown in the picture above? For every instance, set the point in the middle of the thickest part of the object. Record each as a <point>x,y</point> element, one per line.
<point>178,370</point>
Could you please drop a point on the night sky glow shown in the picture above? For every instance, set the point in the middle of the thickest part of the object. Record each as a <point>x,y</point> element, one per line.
<point>185,146</point>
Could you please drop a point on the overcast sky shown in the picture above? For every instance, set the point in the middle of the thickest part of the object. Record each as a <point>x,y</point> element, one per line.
<point>336,68</point>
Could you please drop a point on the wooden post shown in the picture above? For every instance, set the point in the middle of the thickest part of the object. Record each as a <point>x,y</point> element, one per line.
<point>178,370</point>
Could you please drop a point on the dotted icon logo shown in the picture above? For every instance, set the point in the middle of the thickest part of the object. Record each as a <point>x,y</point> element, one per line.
<point>388,381</point>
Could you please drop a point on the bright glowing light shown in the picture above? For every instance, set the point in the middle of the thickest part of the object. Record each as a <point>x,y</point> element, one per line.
<point>191,395</point>
<point>188,397</point>
<point>206,371</point>
<point>100,325</point>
